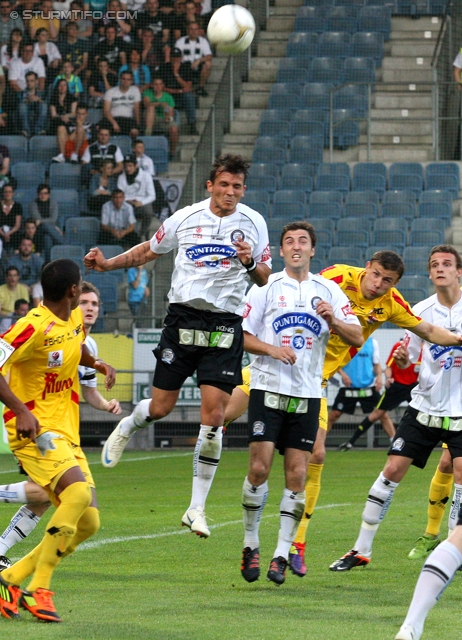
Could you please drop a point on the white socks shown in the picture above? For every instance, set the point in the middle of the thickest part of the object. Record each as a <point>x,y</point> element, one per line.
<point>13,492</point>
<point>206,458</point>
<point>22,523</point>
<point>436,574</point>
<point>378,501</point>
<point>291,511</point>
<point>253,503</point>
<point>138,419</point>
<point>455,506</point>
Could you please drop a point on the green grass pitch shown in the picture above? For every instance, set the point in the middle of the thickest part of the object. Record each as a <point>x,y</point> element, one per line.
<point>144,577</point>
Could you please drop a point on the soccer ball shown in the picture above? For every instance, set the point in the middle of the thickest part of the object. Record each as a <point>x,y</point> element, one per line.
<point>231,29</point>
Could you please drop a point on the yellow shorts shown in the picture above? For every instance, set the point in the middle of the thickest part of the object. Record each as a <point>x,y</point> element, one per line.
<point>245,387</point>
<point>44,469</point>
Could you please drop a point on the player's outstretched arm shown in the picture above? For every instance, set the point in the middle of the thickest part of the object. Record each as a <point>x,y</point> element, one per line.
<point>253,345</point>
<point>96,400</point>
<point>258,272</point>
<point>437,335</point>
<point>350,333</point>
<point>134,257</point>
<point>87,359</point>
<point>27,425</point>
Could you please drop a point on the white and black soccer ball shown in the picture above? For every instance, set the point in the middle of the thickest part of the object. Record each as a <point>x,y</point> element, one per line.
<point>231,29</point>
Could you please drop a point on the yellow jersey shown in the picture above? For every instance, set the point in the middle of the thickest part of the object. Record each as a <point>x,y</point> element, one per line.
<point>391,307</point>
<point>41,353</point>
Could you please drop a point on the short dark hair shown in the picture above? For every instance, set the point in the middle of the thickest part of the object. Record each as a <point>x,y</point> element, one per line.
<point>127,72</point>
<point>10,269</point>
<point>19,302</point>
<point>57,277</point>
<point>32,73</point>
<point>71,23</point>
<point>446,248</point>
<point>82,105</point>
<point>299,224</point>
<point>89,287</point>
<point>231,164</point>
<point>116,191</point>
<point>42,186</point>
<point>137,141</point>
<point>390,261</point>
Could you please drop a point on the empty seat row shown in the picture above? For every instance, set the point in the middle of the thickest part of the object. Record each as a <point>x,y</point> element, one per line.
<point>336,43</point>
<point>333,69</point>
<point>324,18</point>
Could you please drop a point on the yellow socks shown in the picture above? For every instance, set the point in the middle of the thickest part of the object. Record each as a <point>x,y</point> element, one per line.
<point>313,487</point>
<point>440,490</point>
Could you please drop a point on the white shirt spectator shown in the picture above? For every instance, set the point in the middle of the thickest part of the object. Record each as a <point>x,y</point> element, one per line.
<point>5,59</point>
<point>146,163</point>
<point>117,218</point>
<point>208,274</point>
<point>458,60</point>
<point>283,313</point>
<point>193,49</point>
<point>141,188</point>
<point>122,104</point>
<point>18,70</point>
<point>62,6</point>
<point>52,51</point>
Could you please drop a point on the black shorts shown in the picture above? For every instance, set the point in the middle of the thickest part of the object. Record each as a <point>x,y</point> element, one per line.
<point>180,351</point>
<point>416,441</point>
<point>395,395</point>
<point>286,430</point>
<point>348,397</point>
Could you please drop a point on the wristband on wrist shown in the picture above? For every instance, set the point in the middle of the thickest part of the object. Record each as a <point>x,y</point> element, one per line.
<point>251,266</point>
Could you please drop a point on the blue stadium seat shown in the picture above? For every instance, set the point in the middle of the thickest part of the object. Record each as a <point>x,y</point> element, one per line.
<point>280,128</point>
<point>278,115</point>
<point>437,210</point>
<point>157,148</point>
<point>412,295</point>
<point>303,44</point>
<point>17,146</point>
<point>373,182</point>
<point>353,231</point>
<point>333,182</point>
<point>448,182</point>
<point>370,168</point>
<point>298,176</point>
<point>392,196</point>
<point>367,210</point>
<point>339,23</point>
<point>289,210</point>
<point>277,264</point>
<point>413,168</point>
<point>324,224</point>
<point>373,248</point>
<point>295,62</point>
<point>262,169</point>
<point>316,95</point>
<point>82,231</point>
<point>94,115</point>
<point>274,229</point>
<point>329,209</point>
<point>275,155</point>
<point>414,281</point>
<point>317,263</point>
<point>407,182</point>
<point>417,266</point>
<point>307,128</point>
<point>346,128</point>
<point>334,43</point>
<point>326,69</point>
<point>359,69</point>
<point>424,237</point>
<point>297,74</point>
<point>315,22</point>
<point>312,115</point>
<point>388,237</point>
<point>72,251</point>
<point>65,176</point>
<point>283,196</point>
<point>306,149</point>
<point>324,197</point>
<point>68,204</point>
<point>325,238</point>
<point>417,253</point>
<point>107,285</point>
<point>283,93</point>
<point>25,197</point>
<point>435,196</point>
<point>252,196</point>
<point>369,44</point>
<point>361,197</point>
<point>346,255</point>
<point>404,210</point>
<point>334,169</point>
<point>43,148</point>
<point>375,18</point>
<point>28,174</point>
<point>265,183</point>
<point>355,101</point>
<point>124,142</point>
<point>270,142</point>
<point>391,224</point>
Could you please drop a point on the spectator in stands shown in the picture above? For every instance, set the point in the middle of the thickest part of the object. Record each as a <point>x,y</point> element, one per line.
<point>44,212</point>
<point>63,107</point>
<point>142,160</point>
<point>193,15</point>
<point>7,23</point>
<point>138,188</point>
<point>43,19</point>
<point>112,48</point>
<point>33,109</point>
<point>177,77</point>
<point>122,107</point>
<point>20,66</point>
<point>84,26</point>
<point>160,113</point>
<point>74,136</point>
<point>10,50</point>
<point>95,5</point>
<point>11,291</point>
<point>48,52</point>
<point>153,19</point>
<point>103,149</point>
<point>100,82</point>
<point>21,309</point>
<point>10,220</point>
<point>35,235</point>
<point>153,51</point>
<point>177,20</point>
<point>141,72</point>
<point>138,290</point>
<point>4,162</point>
<point>28,263</point>
<point>113,16</point>
<point>196,50</point>
<point>73,82</point>
<point>118,222</point>
<point>74,49</point>
<point>101,186</point>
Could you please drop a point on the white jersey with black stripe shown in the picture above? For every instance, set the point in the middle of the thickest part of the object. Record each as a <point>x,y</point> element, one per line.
<point>208,274</point>
<point>439,390</point>
<point>87,375</point>
<point>283,313</point>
